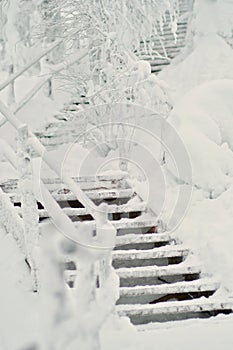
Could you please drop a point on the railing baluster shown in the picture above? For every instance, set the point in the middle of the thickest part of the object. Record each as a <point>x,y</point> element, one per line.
<point>28,202</point>
<point>11,90</point>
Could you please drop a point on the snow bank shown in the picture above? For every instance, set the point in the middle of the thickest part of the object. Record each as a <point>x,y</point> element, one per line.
<point>208,334</point>
<point>202,85</point>
<point>17,303</point>
<point>204,122</point>
<point>210,57</point>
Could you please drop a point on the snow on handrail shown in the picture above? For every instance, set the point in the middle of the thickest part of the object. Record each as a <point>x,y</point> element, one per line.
<point>41,83</point>
<point>11,221</point>
<point>95,211</point>
<point>9,218</point>
<point>29,65</point>
<point>37,87</point>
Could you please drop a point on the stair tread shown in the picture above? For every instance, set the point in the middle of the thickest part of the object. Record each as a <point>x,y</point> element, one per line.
<point>124,208</point>
<point>79,179</point>
<point>166,251</point>
<point>125,223</point>
<point>157,271</point>
<point>142,238</point>
<point>92,194</point>
<point>194,305</point>
<point>200,285</point>
<point>98,194</point>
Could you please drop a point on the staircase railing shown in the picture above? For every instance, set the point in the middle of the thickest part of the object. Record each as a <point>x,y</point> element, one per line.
<point>37,146</point>
<point>47,79</point>
<point>11,221</point>
<point>90,254</point>
<point>97,250</point>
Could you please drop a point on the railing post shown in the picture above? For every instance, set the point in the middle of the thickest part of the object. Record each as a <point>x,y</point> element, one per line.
<point>11,91</point>
<point>108,278</point>
<point>28,202</point>
<point>50,88</point>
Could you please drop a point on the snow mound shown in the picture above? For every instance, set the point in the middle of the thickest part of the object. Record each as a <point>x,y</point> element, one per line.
<point>211,59</point>
<point>204,119</point>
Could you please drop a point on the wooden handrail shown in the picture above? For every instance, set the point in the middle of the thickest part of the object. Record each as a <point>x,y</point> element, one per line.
<point>36,88</point>
<point>29,65</point>
<point>60,218</point>
<point>52,163</point>
<point>46,79</point>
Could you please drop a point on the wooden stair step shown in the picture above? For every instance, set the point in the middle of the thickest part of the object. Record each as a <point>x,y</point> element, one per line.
<point>96,194</point>
<point>137,207</point>
<point>112,209</point>
<point>175,307</point>
<point>125,223</point>
<point>201,285</point>
<point>159,45</point>
<point>142,238</point>
<point>92,194</point>
<point>149,271</point>
<point>156,253</point>
<point>167,33</point>
<point>157,69</point>
<point>171,53</point>
<point>98,181</point>
<point>157,271</point>
<point>159,61</point>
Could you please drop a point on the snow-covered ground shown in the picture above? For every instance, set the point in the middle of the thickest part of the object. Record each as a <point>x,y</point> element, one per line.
<point>213,334</point>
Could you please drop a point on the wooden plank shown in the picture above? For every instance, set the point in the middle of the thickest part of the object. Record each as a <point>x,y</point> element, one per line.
<point>149,271</point>
<point>84,211</point>
<point>12,186</point>
<point>158,271</point>
<point>200,285</point>
<point>142,238</point>
<point>124,223</point>
<point>178,307</point>
<point>93,195</point>
<point>156,253</point>
<point>84,181</point>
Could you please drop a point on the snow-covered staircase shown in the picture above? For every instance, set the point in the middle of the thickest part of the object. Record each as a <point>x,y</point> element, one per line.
<point>160,51</point>
<point>69,125</point>
<point>159,280</point>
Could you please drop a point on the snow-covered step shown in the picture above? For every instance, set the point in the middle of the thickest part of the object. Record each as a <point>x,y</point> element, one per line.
<point>126,223</point>
<point>96,194</point>
<point>112,209</point>
<point>157,44</point>
<point>155,52</point>
<point>166,311</point>
<point>155,271</point>
<point>85,182</point>
<point>167,41</point>
<point>180,24</point>
<point>168,37</point>
<point>200,285</point>
<point>158,271</point>
<point>167,33</point>
<point>142,238</point>
<point>160,61</point>
<point>156,253</point>
<point>113,176</point>
<point>157,69</point>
